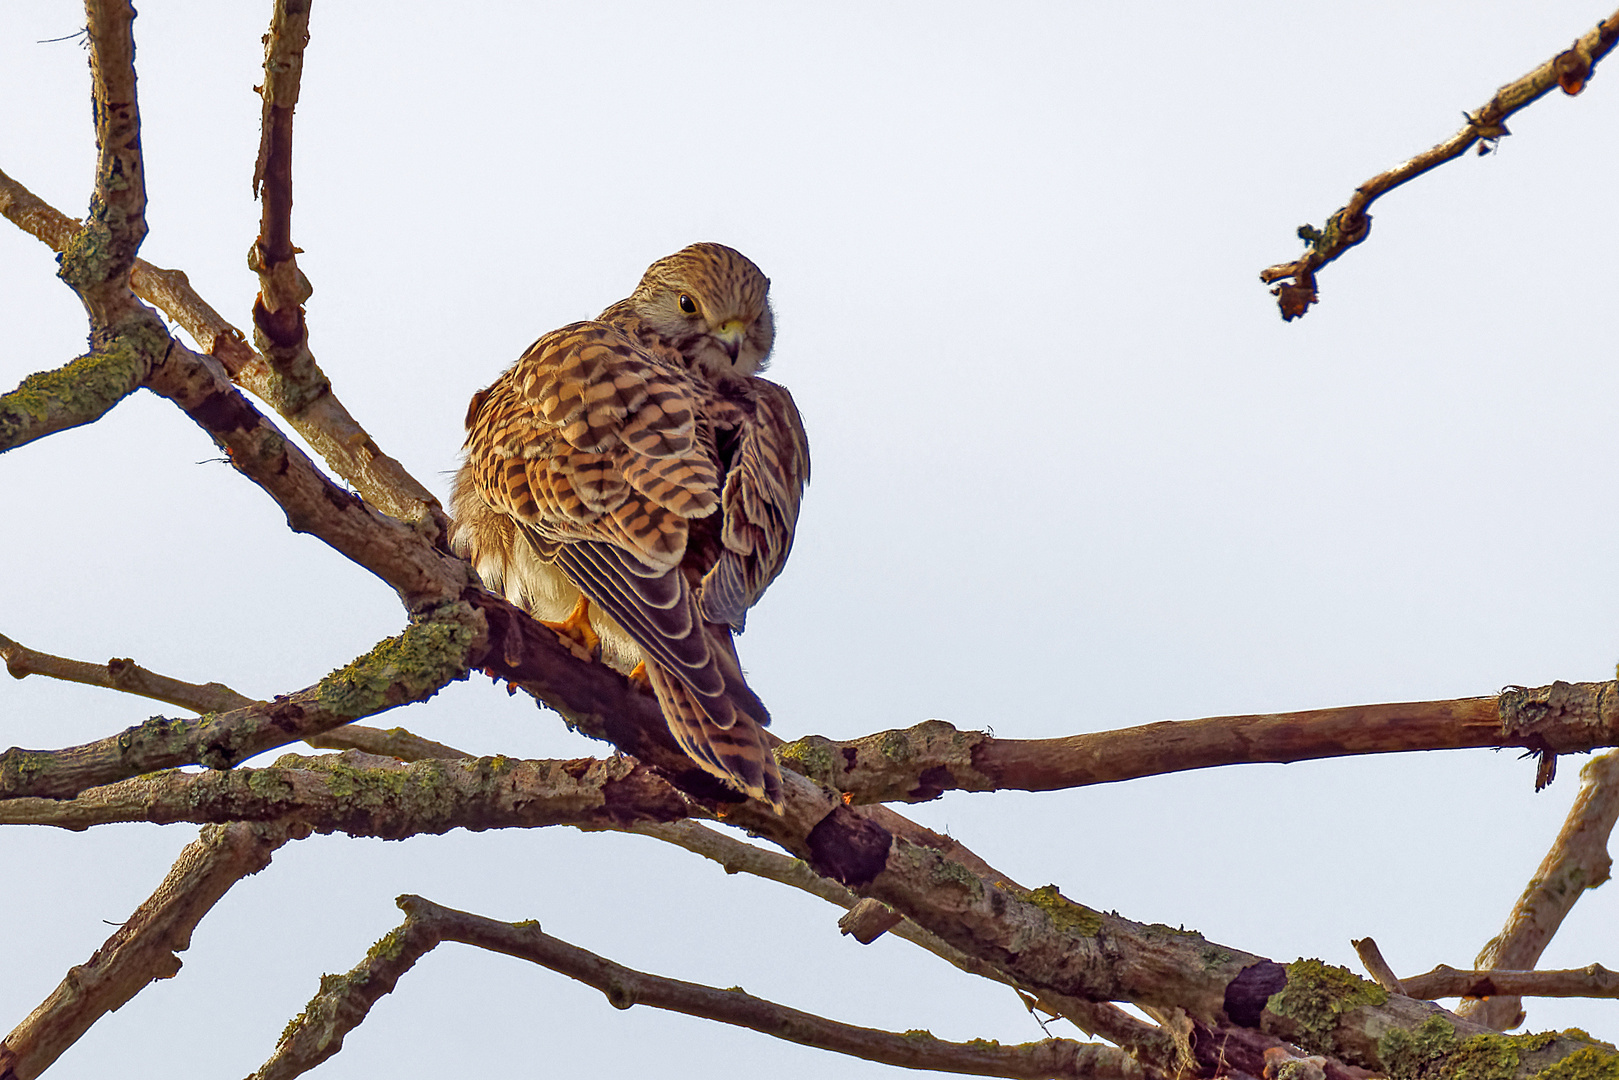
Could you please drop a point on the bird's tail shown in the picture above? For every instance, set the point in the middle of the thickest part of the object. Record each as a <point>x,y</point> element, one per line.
<point>731,745</point>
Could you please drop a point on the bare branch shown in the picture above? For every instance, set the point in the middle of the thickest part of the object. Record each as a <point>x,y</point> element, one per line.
<point>278,314</point>
<point>125,675</point>
<point>1595,981</point>
<point>1379,968</point>
<point>921,762</point>
<point>143,949</point>
<point>422,574</point>
<point>34,216</point>
<point>1578,860</point>
<point>411,667</point>
<point>392,742</point>
<point>736,856</point>
<point>625,987</point>
<point>1570,69</point>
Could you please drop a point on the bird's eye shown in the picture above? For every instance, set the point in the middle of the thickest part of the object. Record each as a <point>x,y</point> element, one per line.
<point>687,304</point>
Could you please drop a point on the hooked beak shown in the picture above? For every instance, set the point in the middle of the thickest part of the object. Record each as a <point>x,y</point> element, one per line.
<point>730,335</point>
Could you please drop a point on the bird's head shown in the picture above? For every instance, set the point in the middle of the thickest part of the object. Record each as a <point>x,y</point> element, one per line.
<point>713,305</point>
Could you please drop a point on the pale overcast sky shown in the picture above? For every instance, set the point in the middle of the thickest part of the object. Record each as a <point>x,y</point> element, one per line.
<point>1072,472</point>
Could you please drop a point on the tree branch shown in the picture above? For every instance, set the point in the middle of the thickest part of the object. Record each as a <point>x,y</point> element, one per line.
<point>99,258</point>
<point>125,675</point>
<point>343,1003</point>
<point>143,949</point>
<point>1570,69</point>
<point>1578,860</point>
<point>1595,981</point>
<point>328,427</point>
<point>922,762</point>
<point>421,573</point>
<point>736,856</point>
<point>411,667</point>
<point>131,678</point>
<point>361,794</point>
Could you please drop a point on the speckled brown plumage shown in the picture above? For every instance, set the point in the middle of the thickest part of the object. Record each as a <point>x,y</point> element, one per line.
<point>637,459</point>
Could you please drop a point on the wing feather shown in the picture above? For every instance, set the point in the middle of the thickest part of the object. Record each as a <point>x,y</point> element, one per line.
<point>763,489</point>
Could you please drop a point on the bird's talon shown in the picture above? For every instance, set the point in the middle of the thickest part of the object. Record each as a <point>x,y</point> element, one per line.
<point>638,674</point>
<point>575,631</point>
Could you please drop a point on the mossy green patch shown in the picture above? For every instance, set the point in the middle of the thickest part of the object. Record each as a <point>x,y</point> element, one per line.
<point>1406,1052</point>
<point>895,746</point>
<point>1587,1063</point>
<point>78,392</point>
<point>387,947</point>
<point>1315,996</point>
<point>1065,915</point>
<point>378,800</point>
<point>412,666</point>
<point>82,262</point>
<point>1433,1052</point>
<point>811,756</point>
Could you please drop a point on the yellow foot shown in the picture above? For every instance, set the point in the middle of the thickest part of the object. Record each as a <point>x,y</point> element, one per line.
<point>575,633</point>
<point>638,674</point>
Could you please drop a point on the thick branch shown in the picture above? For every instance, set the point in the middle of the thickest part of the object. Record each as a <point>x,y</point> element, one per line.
<point>1578,860</point>
<point>142,949</point>
<point>1595,981</point>
<point>1570,69</point>
<point>366,795</point>
<point>1236,1005</point>
<point>921,762</point>
<point>78,393</point>
<point>410,667</point>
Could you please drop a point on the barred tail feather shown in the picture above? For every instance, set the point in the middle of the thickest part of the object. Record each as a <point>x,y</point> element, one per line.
<point>735,750</point>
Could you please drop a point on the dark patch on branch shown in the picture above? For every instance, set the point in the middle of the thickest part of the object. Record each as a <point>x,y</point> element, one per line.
<point>1245,996</point>
<point>848,848</point>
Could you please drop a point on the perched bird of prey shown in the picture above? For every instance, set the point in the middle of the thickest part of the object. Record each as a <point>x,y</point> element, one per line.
<point>632,482</point>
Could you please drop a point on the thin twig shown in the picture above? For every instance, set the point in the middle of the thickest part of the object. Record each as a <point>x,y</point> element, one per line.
<point>1595,981</point>
<point>1578,860</point>
<point>390,742</point>
<point>1378,967</point>
<point>125,675</point>
<point>1570,70</point>
<point>143,949</point>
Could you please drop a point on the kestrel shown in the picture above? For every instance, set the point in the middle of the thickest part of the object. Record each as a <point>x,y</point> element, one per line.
<point>633,482</point>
